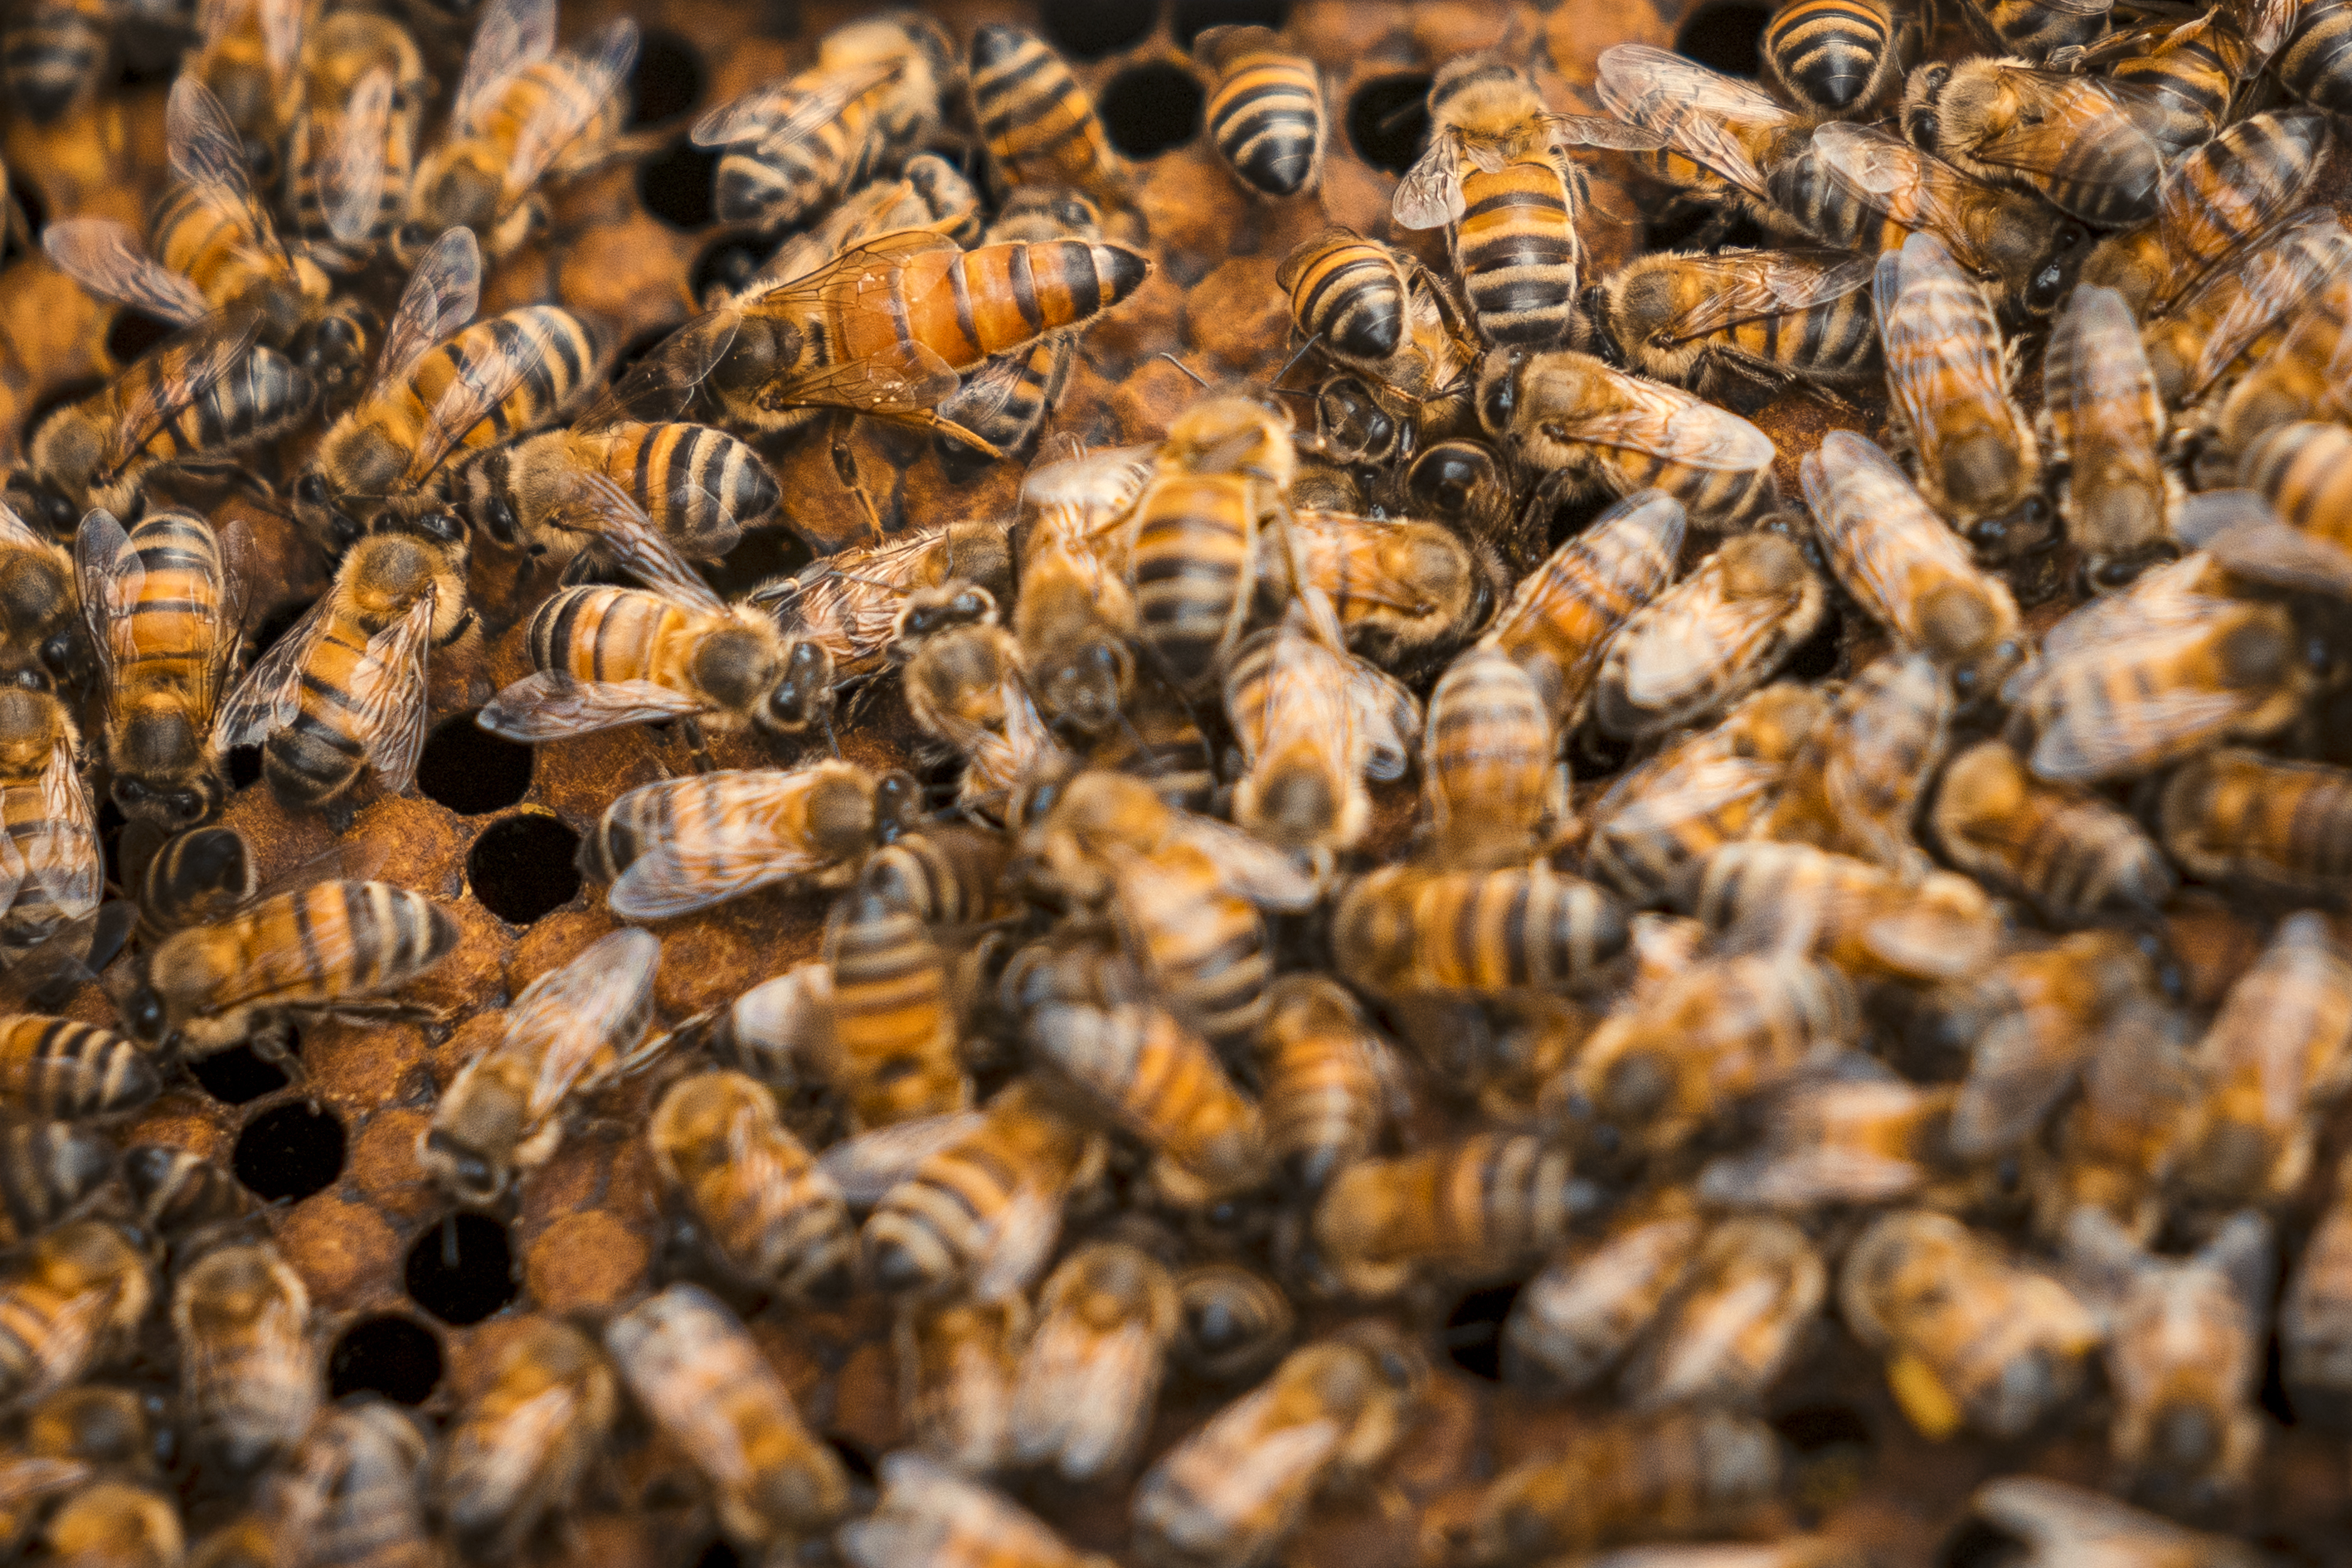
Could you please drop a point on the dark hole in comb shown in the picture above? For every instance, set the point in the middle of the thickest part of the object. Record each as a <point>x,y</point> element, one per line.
<point>1474,1330</point>
<point>1728,37</point>
<point>110,822</point>
<point>675,184</point>
<point>668,78</point>
<point>1148,110</point>
<point>1388,121</point>
<point>1816,658</point>
<point>134,333</point>
<point>470,770</point>
<point>393,1355</point>
<point>1193,17</point>
<point>150,56</point>
<point>1090,29</point>
<point>520,868</point>
<point>240,1075</point>
<point>1976,1544</point>
<point>725,264</point>
<point>29,202</point>
<point>244,765</point>
<point>1815,1428</point>
<point>462,1270</point>
<point>853,1457</point>
<point>718,1554</point>
<point>764,553</point>
<point>2274,1398</point>
<point>290,1152</point>
<point>1695,226</point>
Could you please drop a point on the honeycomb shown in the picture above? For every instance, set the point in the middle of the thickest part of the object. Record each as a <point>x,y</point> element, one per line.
<point>419,1302</point>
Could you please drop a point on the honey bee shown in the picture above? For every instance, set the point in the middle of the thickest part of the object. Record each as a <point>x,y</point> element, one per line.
<point>2311,65</point>
<point>931,1517</point>
<point>353,145</point>
<point>1474,1208</point>
<point>1265,116</point>
<point>2213,202</point>
<point>1405,592</point>
<point>167,611</point>
<point>894,1026</point>
<point>1839,57</point>
<point>523,109</point>
<point>1091,1376</point>
<point>2062,847</point>
<point>192,878</point>
<point>2036,29</point>
<point>1313,723</point>
<point>2074,139</point>
<point>791,149</point>
<point>2297,468</point>
<point>957,1366</point>
<point>48,1172</point>
<point>2280,1046</point>
<point>2181,78</point>
<point>1979,463</point>
<point>1331,1082</point>
<point>1898,560</point>
<point>1741,1314</point>
<point>685,844</point>
<point>1671,1473</point>
<point>2313,1320</point>
<point>2184,1352</point>
<point>517,1453</point>
<point>73,1298</point>
<point>1855,782</point>
<point>1560,618</point>
<point>1467,485</point>
<point>1583,424</point>
<point>2235,312</point>
<point>1076,613</point>
<point>1710,640</point>
<point>1006,402</point>
<point>1972,1339</point>
<point>1662,1068</point>
<point>38,626</point>
<point>1498,179</point>
<point>2108,420</point>
<point>2233,815</point>
<point>338,704</point>
<point>928,193</point>
<point>1237,1322</point>
<point>1493,785</point>
<point>2296,380</point>
<point>946,875</point>
<point>1852,1131</point>
<point>2143,1107</point>
<point>249,1369</point>
<point>117,1524</point>
<point>1720,135</point>
<point>1377,310</point>
<point>352,1493</point>
<point>1232,1494</point>
<point>1865,919</point>
<point>61,1071</point>
<point>334,948</point>
<point>2119,706</point>
<point>2059,1523</point>
<point>573,1030</point>
<point>1661,819</point>
<point>1864,189</point>
<point>52,871</point>
<point>436,389</point>
<point>1583,1313</point>
<point>984,1210</point>
<point>1405,930</point>
<point>179,1197</point>
<point>1746,323</point>
<point>1163,1083</point>
<point>765,1212</point>
<point>247,56</point>
<point>1038,123</point>
<point>185,408</point>
<point>53,53</point>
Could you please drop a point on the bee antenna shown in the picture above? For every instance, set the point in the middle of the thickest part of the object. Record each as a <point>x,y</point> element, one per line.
<point>1280,375</point>
<point>1396,117</point>
<point>830,738</point>
<point>1186,368</point>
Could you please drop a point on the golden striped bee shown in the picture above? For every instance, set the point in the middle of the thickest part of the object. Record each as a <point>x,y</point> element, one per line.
<point>2063,848</point>
<point>247,55</point>
<point>1313,722</point>
<point>1472,1208</point>
<point>929,193</point>
<point>517,1453</point>
<point>2311,65</point>
<point>2297,379</point>
<point>1585,425</point>
<point>574,1031</point>
<point>1590,1304</point>
<point>524,109</point>
<point>1709,640</point>
<point>1038,123</point>
<point>1560,620</point>
<point>2181,78</point>
<point>1332,1084</point>
<point>334,948</point>
<point>2239,310</point>
<point>2036,29</point>
<point>957,1363</point>
<point>1978,461</point>
<point>353,145</point>
<point>1741,323</point>
<point>1737,1319</point>
<point>929,1517</point>
<point>1379,311</point>
<point>53,53</point>
<point>70,1300</point>
<point>2298,468</point>
<point>52,870</point>
<point>1839,57</point>
<point>1628,1477</point>
<point>66,1071</point>
<point>48,1172</point>
<point>2236,816</point>
<point>2074,139</point>
<point>1006,399</point>
<point>192,877</point>
<point>166,612</point>
<point>1856,784</point>
<point>1849,1132</point>
<point>1762,896</point>
<point>39,628</point>
<point>1089,1377</point>
<point>2142,1108</point>
<point>1265,115</point>
<point>687,843</point>
<point>182,1198</point>
<point>1403,929</point>
<point>1905,568</point>
<point>1144,1070</point>
<point>895,1024</point>
<point>353,1491</point>
<point>1493,785</point>
<point>1498,179</point>
<point>765,1212</point>
<point>1717,137</point>
<point>249,1364</point>
<point>1076,613</point>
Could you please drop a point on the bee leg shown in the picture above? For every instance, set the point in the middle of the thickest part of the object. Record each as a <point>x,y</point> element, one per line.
<point>845,465</point>
<point>697,747</point>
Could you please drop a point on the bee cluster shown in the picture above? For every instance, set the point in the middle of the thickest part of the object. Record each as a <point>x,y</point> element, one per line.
<point>1365,861</point>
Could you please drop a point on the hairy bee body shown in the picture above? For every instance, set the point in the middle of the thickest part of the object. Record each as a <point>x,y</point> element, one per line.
<point>519,1450</point>
<point>2316,63</point>
<point>1863,918</point>
<point>72,1299</point>
<point>1330,1080</point>
<point>341,50</point>
<point>1039,124</point>
<point>1401,929</point>
<point>249,1370</point>
<point>763,1209</point>
<point>2104,409</point>
<point>357,1484</point>
<point>1677,1473</point>
<point>1561,616</point>
<point>1163,1083</point>
<point>896,1032</point>
<point>1006,402</point>
<point>957,1366</point>
<point>2305,471</point>
<point>45,813</point>
<point>2032,29</point>
<point>1736,1322</point>
<point>2186,78</point>
<point>2068,137</point>
<point>2238,816</point>
<point>47,1171</point>
<point>701,488</point>
<point>1265,116</point>
<point>1405,592</point>
<point>1709,640</point>
<point>70,1072</point>
<point>2238,311</point>
<point>1579,1317</point>
<point>1839,56</point>
<point>118,1524</point>
<point>1741,322</point>
<point>1492,781</point>
<point>52,52</point>
<point>1196,561</point>
<point>1089,1379</point>
<point>2072,854</point>
<point>1856,784</point>
<point>217,244</point>
<point>1473,1207</point>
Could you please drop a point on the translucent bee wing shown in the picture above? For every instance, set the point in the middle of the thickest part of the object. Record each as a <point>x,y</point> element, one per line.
<point>602,507</point>
<point>204,144</point>
<point>561,117</point>
<point>387,693</point>
<point>1268,877</point>
<point>271,694</point>
<point>514,35</point>
<point>868,1166</point>
<point>2018,1068</point>
<point>214,348</point>
<point>441,298</point>
<point>1751,287</point>
<point>526,1434</point>
<point>2239,531</point>
<point>906,379</point>
<point>1388,718</point>
<point>1019,1244</point>
<point>674,879</point>
<point>1429,194</point>
<point>107,577</point>
<point>1688,432</point>
<point>63,854</point>
<point>2078,746</point>
<point>481,383</point>
<point>281,37</point>
<point>2067,1525</point>
<point>1804,1177</point>
<point>552,704</point>
<point>2068,113</point>
<point>15,533</point>
<point>351,176</point>
<point>11,873</point>
<point>1084,1395</point>
<point>661,386</point>
<point>784,113</point>
<point>601,1000</point>
<point>25,1478</point>
<point>2297,260</point>
<point>105,257</point>
<point>1595,130</point>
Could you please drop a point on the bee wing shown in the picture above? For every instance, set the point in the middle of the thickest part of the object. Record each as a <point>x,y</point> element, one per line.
<point>1429,194</point>
<point>2062,117</point>
<point>480,384</point>
<point>1698,790</point>
<point>1689,105</point>
<point>551,705</point>
<point>2017,1069</point>
<point>351,176</point>
<point>1249,867</point>
<point>228,623</point>
<point>1018,1244</point>
<point>678,879</point>
<point>1715,635</point>
<point>986,390</point>
<point>2264,25</point>
<point>281,37</point>
<point>784,113</point>
<point>205,147</point>
<point>1916,189</point>
<point>62,852</point>
<point>1388,718</point>
<point>868,1166</point>
<point>106,258</point>
<point>1598,131</point>
<point>441,296</point>
<point>23,1478</point>
<point>214,348</point>
<point>2299,258</point>
<point>526,1435</point>
<point>387,694</point>
<point>514,36</point>
<point>581,1009</point>
<point>1759,284</point>
<point>596,77</point>
<point>1936,350</point>
<point>2239,530</point>
<point>600,506</point>
<point>907,378</point>
<point>2080,744</point>
<point>15,533</point>
<point>107,576</point>
<point>1680,429</point>
<point>270,694</point>
<point>2084,1529</point>
<point>1083,1393</point>
<point>661,386</point>
<point>1806,1177</point>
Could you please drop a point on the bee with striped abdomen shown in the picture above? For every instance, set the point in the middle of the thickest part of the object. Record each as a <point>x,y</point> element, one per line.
<point>2313,64</point>
<point>2181,78</point>
<point>2076,858</point>
<point>353,1493</point>
<point>1709,640</point>
<point>896,1028</point>
<point>70,1300</point>
<point>2036,29</point>
<point>1403,929</point>
<point>1474,1208</point>
<point>2242,307</point>
<point>1143,1070</point>
<point>53,53</point>
<point>931,1517</point>
<point>1406,592</point>
<point>1739,1316</point>
<point>1856,784</point>
<point>1332,1084</point>
<point>1671,1473</point>
<point>55,871</point>
<point>334,948</point>
<point>1498,179</point>
<point>353,145</point>
<point>1763,895</point>
<point>2108,421</point>
<point>957,1363</point>
<point>516,1454</point>
<point>66,1071</point>
<point>1560,620</point>
<point>1265,115</point>
<point>575,1030</point>
<point>1075,613</point>
<point>765,1211</point>
<point>1006,399</point>
<point>166,614</point>
<point>247,55</point>
<point>1579,1316</point>
<point>1744,323</point>
<point>48,1172</point>
<point>2237,816</point>
<point>1089,1379</point>
<point>1379,311</point>
<point>1721,136</point>
<point>2073,139</point>
<point>1493,785</point>
<point>1313,722</point>
<point>1849,1132</point>
<point>249,1366</point>
<point>1038,123</point>
<point>1839,57</point>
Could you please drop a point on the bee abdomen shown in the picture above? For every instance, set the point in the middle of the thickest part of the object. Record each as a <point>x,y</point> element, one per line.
<point>1517,250</point>
<point>1038,122</point>
<point>970,305</point>
<point>48,52</point>
<point>1191,571</point>
<point>1353,294</point>
<point>57,1068</point>
<point>1830,51</point>
<point>2317,64</point>
<point>1266,120</point>
<point>46,1169</point>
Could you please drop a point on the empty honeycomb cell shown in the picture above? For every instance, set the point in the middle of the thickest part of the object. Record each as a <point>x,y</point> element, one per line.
<point>1149,109</point>
<point>522,866</point>
<point>290,1151</point>
<point>675,184</point>
<point>1726,36</point>
<point>1092,29</point>
<point>667,80</point>
<point>1388,120</point>
<point>241,1074</point>
<point>470,770</point>
<point>134,333</point>
<point>1474,1330</point>
<point>392,1354</point>
<point>461,1269</point>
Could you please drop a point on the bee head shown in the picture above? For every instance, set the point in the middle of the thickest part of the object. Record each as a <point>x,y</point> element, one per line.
<point>144,1016</point>
<point>802,693</point>
<point>464,1172</point>
<point>1498,394</point>
<point>1921,96</point>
